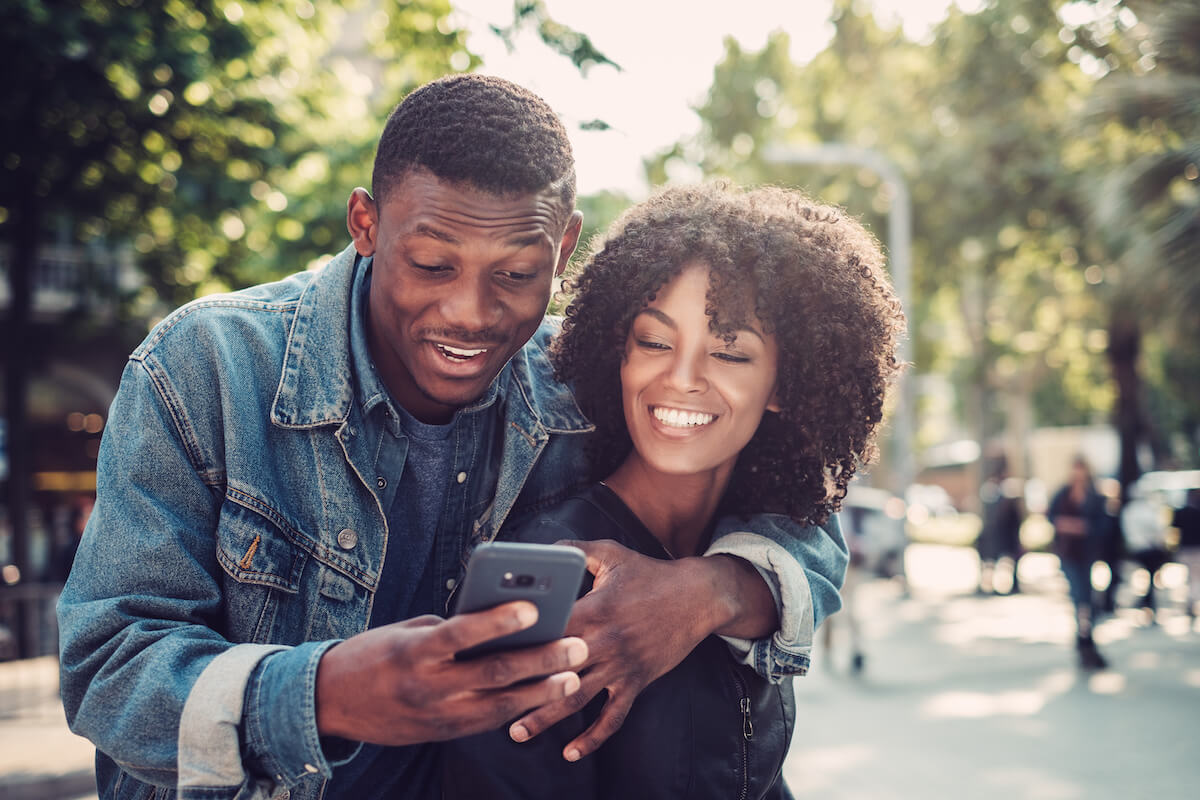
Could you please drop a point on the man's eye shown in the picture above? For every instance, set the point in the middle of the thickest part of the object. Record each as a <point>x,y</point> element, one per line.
<point>518,277</point>
<point>430,267</point>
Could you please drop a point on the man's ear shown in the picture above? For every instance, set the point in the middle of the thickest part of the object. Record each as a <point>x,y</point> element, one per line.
<point>569,240</point>
<point>362,220</point>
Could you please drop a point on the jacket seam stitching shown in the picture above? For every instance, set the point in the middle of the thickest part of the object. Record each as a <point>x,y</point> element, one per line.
<point>313,548</point>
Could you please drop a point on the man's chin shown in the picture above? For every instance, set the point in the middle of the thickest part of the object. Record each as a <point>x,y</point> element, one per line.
<point>443,398</point>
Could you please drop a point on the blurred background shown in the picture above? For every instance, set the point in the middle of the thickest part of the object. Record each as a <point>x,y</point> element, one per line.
<point>1033,168</point>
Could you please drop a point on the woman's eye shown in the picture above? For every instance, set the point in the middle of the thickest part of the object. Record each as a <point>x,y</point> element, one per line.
<point>647,344</point>
<point>732,358</point>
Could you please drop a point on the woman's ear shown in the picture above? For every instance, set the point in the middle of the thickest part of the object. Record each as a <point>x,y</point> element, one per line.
<point>773,402</point>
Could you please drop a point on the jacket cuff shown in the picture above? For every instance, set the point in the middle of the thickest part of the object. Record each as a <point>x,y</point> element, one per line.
<point>788,649</point>
<point>210,753</point>
<point>281,718</point>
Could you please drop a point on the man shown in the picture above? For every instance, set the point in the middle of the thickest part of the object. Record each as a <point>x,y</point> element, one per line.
<point>292,478</point>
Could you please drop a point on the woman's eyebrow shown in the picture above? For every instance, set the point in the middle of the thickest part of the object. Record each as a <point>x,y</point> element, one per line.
<point>670,323</point>
<point>660,316</point>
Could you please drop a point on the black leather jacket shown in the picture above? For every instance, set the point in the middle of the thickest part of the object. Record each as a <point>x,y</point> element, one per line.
<point>710,728</point>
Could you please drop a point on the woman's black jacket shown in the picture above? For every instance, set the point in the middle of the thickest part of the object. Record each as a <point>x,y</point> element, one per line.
<point>710,728</point>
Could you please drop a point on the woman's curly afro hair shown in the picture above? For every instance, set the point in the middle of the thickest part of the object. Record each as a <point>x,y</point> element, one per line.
<point>818,283</point>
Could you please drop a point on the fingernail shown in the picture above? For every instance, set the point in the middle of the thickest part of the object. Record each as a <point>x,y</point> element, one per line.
<point>526,614</point>
<point>577,652</point>
<point>570,684</point>
<point>572,755</point>
<point>518,732</point>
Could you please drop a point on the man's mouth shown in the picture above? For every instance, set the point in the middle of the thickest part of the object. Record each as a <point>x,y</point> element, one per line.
<point>679,418</point>
<point>459,354</point>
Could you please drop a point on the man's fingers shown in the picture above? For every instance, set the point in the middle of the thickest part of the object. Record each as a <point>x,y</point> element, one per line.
<point>494,708</point>
<point>600,553</point>
<point>611,718</point>
<point>550,714</point>
<point>467,630</point>
<point>503,669</point>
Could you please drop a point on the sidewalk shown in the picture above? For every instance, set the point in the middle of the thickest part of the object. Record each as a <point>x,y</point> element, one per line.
<point>962,697</point>
<point>978,697</point>
<point>39,758</point>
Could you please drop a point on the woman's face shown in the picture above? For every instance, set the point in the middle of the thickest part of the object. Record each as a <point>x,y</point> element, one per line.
<point>692,400</point>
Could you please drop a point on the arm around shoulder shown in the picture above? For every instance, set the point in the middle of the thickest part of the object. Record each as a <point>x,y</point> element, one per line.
<point>804,567</point>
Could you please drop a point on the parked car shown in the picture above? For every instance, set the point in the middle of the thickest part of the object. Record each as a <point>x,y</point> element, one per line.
<point>873,520</point>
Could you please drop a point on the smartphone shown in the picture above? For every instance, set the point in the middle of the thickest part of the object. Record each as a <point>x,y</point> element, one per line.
<point>547,575</point>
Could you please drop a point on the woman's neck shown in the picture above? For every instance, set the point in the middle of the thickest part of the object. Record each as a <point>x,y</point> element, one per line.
<point>677,509</point>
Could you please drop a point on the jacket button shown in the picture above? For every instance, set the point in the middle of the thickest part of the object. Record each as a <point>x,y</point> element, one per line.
<point>347,538</point>
<point>462,476</point>
<point>381,482</point>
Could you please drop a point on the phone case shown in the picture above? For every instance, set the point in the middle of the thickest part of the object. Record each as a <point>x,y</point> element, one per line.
<point>547,575</point>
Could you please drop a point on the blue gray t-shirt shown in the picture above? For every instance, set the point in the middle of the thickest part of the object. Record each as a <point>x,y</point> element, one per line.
<point>413,468</point>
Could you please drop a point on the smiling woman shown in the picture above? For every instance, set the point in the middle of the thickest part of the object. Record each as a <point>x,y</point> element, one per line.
<point>784,274</point>
<point>734,349</point>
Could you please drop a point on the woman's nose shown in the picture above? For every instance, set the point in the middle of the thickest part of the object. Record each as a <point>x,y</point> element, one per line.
<point>686,373</point>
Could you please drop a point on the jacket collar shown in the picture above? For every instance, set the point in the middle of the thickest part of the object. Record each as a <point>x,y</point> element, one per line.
<point>316,384</point>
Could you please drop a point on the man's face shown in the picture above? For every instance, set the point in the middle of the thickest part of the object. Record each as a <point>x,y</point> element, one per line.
<point>460,281</point>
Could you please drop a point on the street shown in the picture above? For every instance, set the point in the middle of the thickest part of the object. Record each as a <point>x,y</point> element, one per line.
<point>978,697</point>
<point>962,696</point>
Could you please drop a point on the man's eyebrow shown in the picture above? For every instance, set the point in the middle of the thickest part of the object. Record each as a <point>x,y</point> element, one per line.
<point>428,230</point>
<point>526,239</point>
<point>517,240</point>
<point>670,323</point>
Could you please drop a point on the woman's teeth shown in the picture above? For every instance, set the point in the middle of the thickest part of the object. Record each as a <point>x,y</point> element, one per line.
<point>459,353</point>
<point>677,418</point>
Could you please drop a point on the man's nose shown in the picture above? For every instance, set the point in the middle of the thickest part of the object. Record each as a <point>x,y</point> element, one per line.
<point>471,304</point>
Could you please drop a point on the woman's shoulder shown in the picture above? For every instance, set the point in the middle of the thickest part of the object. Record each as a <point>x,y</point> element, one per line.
<point>592,514</point>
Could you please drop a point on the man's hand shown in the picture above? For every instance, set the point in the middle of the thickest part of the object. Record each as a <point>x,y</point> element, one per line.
<point>642,617</point>
<point>399,684</point>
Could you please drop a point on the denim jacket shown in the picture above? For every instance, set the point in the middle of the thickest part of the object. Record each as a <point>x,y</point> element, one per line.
<point>238,533</point>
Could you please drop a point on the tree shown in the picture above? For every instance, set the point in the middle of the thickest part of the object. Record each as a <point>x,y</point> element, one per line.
<point>181,128</point>
<point>217,138</point>
<point>976,119</point>
<point>1147,207</point>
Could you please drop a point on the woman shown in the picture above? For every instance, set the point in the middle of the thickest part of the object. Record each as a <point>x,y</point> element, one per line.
<point>734,349</point>
<point>1077,514</point>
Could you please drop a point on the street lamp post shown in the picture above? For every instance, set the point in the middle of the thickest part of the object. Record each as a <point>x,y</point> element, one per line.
<point>899,245</point>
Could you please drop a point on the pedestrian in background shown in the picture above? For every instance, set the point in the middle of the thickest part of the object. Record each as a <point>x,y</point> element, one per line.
<point>1077,514</point>
<point>1144,530</point>
<point>1187,521</point>
<point>1000,537</point>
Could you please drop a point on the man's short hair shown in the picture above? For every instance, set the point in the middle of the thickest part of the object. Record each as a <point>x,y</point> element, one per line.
<point>478,130</point>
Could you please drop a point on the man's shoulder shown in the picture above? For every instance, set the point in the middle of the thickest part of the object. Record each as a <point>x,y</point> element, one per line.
<point>550,401</point>
<point>231,313</point>
<point>256,312</point>
<point>539,345</point>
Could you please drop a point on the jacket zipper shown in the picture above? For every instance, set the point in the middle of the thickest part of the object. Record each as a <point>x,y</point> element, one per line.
<point>747,732</point>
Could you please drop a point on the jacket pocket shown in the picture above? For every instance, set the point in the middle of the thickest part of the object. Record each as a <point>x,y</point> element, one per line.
<point>264,569</point>
<point>253,548</point>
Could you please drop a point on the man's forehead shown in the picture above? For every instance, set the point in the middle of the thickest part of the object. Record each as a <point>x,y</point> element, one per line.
<point>423,199</point>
